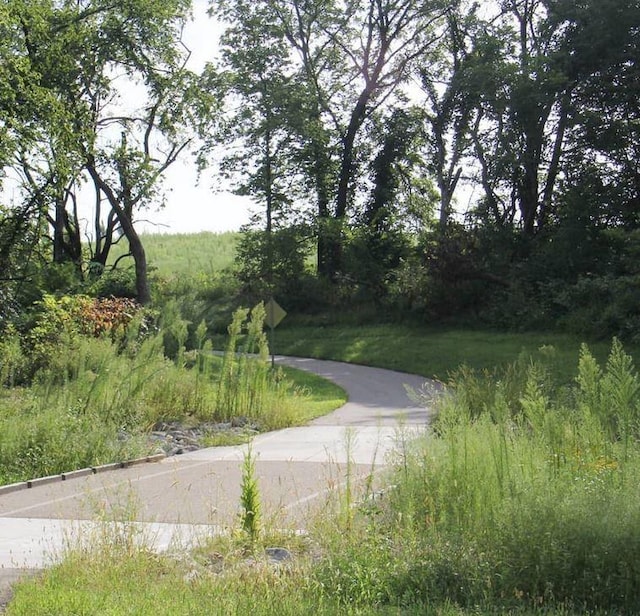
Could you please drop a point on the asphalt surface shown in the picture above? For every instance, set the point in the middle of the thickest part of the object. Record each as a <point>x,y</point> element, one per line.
<point>175,501</point>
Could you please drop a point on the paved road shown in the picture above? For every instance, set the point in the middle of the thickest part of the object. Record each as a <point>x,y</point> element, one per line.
<point>177,499</point>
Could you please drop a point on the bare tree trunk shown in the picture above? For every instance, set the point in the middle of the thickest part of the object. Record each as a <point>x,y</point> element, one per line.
<point>123,213</point>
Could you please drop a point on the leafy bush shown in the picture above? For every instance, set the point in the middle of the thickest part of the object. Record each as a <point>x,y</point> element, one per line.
<point>111,282</point>
<point>372,258</point>
<point>600,306</point>
<point>272,264</point>
<point>194,298</point>
<point>57,324</point>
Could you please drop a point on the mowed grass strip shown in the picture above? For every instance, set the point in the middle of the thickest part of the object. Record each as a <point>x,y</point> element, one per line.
<point>434,352</point>
<point>319,395</point>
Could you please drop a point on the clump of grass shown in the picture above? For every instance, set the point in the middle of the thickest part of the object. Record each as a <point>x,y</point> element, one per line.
<point>247,385</point>
<point>12,359</point>
<point>95,399</point>
<point>147,584</point>
<point>530,508</point>
<point>250,513</point>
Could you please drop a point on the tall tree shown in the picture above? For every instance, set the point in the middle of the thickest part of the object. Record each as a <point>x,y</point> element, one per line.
<point>256,72</point>
<point>533,71</point>
<point>124,105</point>
<point>450,104</point>
<point>602,57</point>
<point>519,130</point>
<point>355,57</point>
<point>350,58</point>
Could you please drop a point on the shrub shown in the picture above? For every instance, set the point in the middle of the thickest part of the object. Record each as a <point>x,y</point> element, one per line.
<point>111,282</point>
<point>272,264</point>
<point>57,324</point>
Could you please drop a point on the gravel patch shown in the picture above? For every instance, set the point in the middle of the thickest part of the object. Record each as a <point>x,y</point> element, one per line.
<point>175,438</point>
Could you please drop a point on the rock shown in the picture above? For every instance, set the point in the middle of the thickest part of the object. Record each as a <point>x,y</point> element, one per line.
<point>173,438</point>
<point>278,555</point>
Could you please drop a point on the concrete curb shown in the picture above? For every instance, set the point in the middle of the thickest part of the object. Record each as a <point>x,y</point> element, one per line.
<point>83,472</point>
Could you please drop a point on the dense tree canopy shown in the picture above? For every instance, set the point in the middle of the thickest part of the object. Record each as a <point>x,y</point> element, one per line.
<point>74,64</point>
<point>446,156</point>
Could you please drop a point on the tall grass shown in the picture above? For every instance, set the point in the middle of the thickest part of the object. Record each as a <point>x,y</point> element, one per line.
<point>528,503</point>
<point>179,255</point>
<point>95,400</point>
<point>247,385</point>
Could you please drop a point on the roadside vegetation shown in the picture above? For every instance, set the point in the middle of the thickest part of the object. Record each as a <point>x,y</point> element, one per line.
<point>521,498</point>
<point>93,377</point>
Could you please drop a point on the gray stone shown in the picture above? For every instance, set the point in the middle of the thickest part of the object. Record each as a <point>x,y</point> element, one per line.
<point>279,555</point>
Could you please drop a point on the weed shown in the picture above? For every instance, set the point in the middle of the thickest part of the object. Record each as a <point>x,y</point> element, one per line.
<point>250,514</point>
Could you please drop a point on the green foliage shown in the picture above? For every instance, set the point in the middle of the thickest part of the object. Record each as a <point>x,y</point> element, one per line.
<point>599,305</point>
<point>52,326</point>
<point>60,322</point>
<point>371,260</point>
<point>120,282</point>
<point>455,263</point>
<point>60,424</point>
<point>175,331</point>
<point>250,515</point>
<point>273,264</point>
<point>610,397</point>
<point>244,382</point>
<point>525,506</point>
<point>525,500</point>
<point>209,297</point>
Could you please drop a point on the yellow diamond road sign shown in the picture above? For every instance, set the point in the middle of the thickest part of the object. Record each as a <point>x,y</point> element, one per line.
<point>274,313</point>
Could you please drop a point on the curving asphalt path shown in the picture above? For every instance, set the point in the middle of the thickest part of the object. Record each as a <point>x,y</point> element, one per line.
<point>176,500</point>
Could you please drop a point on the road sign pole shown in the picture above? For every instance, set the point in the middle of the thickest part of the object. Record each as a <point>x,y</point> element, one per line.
<point>274,313</point>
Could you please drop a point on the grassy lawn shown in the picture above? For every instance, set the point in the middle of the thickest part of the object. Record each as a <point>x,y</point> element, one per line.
<point>319,395</point>
<point>431,352</point>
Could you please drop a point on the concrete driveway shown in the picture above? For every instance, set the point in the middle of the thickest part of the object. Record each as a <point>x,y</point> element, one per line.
<point>178,499</point>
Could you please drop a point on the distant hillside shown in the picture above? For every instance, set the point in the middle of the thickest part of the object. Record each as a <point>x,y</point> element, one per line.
<point>185,254</point>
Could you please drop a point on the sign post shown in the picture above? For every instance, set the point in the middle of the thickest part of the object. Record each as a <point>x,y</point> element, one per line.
<point>274,313</point>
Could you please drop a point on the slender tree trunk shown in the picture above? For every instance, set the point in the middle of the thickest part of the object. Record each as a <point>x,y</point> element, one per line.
<point>59,252</point>
<point>554,165</point>
<point>323,221</point>
<point>122,212</point>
